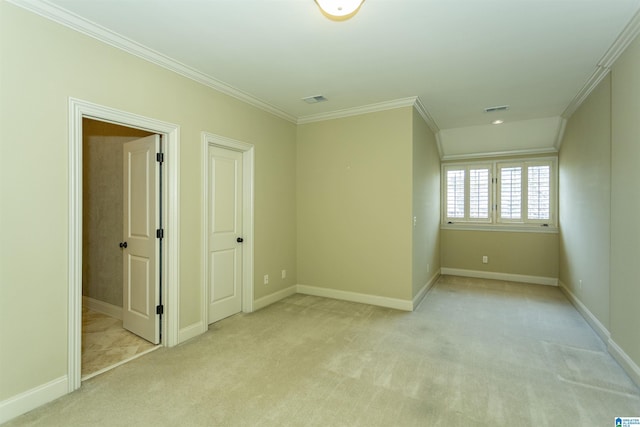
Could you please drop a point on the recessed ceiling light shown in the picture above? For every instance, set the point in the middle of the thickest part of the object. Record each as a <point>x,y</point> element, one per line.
<point>314,99</point>
<point>497,122</point>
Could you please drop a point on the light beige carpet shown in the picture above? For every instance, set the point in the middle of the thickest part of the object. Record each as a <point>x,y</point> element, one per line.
<point>475,353</point>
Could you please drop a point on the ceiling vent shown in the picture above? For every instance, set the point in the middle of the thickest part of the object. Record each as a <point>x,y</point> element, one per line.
<point>495,109</point>
<point>314,99</point>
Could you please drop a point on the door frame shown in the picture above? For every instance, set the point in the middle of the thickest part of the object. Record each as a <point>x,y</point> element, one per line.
<point>247,150</point>
<point>79,109</point>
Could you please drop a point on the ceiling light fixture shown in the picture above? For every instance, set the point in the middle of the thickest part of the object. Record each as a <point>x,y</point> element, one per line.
<point>339,10</point>
<point>497,122</point>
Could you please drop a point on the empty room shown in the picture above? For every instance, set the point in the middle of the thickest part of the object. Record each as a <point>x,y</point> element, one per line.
<point>319,212</point>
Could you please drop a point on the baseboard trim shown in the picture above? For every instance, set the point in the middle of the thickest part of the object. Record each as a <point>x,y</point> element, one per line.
<point>592,320</point>
<point>625,361</point>
<point>521,278</point>
<point>396,303</point>
<point>31,399</point>
<point>417,300</point>
<point>274,297</point>
<point>192,331</point>
<point>102,307</point>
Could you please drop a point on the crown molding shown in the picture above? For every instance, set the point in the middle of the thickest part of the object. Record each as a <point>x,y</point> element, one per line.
<point>439,144</point>
<point>356,111</point>
<point>628,34</point>
<point>426,116</point>
<point>91,29</point>
<point>527,152</point>
<point>560,135</point>
<point>593,81</point>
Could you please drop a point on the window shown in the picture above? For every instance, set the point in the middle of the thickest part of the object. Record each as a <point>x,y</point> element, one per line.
<point>468,193</point>
<point>455,193</point>
<point>510,192</point>
<point>524,192</point>
<point>539,192</point>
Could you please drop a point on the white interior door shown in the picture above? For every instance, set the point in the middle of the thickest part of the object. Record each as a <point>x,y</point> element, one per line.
<point>225,233</point>
<point>141,247</point>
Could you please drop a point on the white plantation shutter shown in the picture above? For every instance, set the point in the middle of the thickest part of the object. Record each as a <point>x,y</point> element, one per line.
<point>511,192</point>
<point>479,193</point>
<point>539,192</point>
<point>455,193</point>
<point>468,193</point>
<point>524,193</point>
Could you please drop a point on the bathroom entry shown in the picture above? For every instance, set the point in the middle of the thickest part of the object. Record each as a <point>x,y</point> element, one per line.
<point>121,248</point>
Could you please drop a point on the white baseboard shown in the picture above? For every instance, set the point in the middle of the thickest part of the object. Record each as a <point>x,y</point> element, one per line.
<point>629,366</point>
<point>592,320</point>
<point>423,292</point>
<point>31,399</point>
<point>274,297</point>
<point>521,278</point>
<point>103,307</point>
<point>398,304</point>
<point>192,331</point>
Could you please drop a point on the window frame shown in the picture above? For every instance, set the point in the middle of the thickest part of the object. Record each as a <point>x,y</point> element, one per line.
<point>467,188</point>
<point>495,220</point>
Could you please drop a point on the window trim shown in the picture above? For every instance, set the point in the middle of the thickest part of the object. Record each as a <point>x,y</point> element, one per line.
<point>495,222</point>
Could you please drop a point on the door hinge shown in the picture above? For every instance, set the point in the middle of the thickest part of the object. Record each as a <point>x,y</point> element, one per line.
<point>160,157</point>
<point>160,233</point>
<point>160,309</point>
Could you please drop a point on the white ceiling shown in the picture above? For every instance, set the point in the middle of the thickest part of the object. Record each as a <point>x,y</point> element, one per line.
<point>457,56</point>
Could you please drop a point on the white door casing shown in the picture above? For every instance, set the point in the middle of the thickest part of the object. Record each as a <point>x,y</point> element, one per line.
<point>247,153</point>
<point>140,246</point>
<point>171,334</point>
<point>225,233</point>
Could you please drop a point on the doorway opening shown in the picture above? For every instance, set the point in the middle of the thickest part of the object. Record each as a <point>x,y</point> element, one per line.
<point>79,111</point>
<point>106,341</point>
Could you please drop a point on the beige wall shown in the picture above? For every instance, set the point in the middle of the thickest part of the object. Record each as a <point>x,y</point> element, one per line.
<point>585,188</point>
<point>426,204</point>
<point>102,208</point>
<point>599,199</point>
<point>625,202</point>
<point>354,203</point>
<point>43,64</point>
<point>528,254</point>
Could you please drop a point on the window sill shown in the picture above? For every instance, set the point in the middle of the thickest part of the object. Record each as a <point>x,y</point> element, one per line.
<point>501,227</point>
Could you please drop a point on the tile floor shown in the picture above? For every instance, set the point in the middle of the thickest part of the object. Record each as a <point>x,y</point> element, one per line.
<point>105,343</point>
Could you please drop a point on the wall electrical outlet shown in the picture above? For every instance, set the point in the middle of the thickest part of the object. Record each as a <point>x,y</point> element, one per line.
<point>266,279</point>
<point>284,274</point>
<point>580,283</point>
<point>485,259</point>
